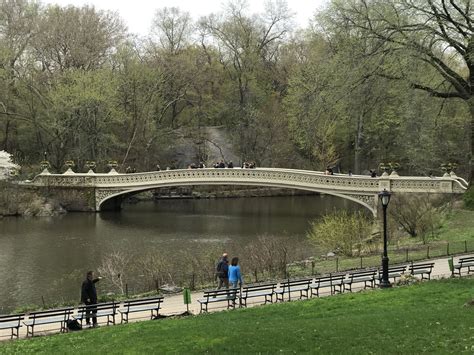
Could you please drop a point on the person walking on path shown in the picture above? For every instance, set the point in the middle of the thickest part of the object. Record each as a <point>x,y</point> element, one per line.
<point>222,271</point>
<point>89,297</point>
<point>235,276</point>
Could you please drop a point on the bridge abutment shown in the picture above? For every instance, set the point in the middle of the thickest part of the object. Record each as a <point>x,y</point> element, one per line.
<point>74,199</point>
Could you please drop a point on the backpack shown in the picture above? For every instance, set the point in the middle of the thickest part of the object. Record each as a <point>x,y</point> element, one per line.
<point>73,325</point>
<point>220,268</point>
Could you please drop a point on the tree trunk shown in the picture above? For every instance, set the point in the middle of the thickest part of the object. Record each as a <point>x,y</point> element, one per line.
<point>7,136</point>
<point>471,143</point>
<point>357,144</point>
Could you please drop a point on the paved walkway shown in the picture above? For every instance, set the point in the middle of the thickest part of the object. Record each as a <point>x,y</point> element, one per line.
<point>174,305</point>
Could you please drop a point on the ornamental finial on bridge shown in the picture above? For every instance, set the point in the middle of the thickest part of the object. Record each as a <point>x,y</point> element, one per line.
<point>91,165</point>
<point>70,164</point>
<point>45,165</point>
<point>391,166</point>
<point>112,164</point>
<point>448,169</point>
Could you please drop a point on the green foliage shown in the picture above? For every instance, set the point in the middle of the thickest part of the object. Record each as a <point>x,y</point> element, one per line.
<point>341,232</point>
<point>469,198</point>
<point>419,217</point>
<point>425,317</point>
<point>75,85</point>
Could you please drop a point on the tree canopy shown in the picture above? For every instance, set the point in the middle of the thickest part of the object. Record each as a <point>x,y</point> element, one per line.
<point>367,82</point>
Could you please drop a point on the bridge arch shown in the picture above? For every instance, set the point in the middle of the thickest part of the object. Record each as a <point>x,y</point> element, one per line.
<point>113,199</point>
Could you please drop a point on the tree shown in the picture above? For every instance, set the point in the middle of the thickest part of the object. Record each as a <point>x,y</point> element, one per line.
<point>438,35</point>
<point>6,165</point>
<point>78,38</point>
<point>173,29</point>
<point>18,26</point>
<point>420,217</point>
<point>248,52</point>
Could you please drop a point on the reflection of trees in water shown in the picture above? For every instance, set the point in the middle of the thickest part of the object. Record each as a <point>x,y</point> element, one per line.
<point>265,257</point>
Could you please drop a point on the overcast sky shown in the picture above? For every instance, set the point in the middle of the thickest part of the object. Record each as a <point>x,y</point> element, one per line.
<point>138,13</point>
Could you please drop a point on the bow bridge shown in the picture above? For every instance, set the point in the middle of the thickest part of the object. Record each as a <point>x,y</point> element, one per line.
<point>96,192</point>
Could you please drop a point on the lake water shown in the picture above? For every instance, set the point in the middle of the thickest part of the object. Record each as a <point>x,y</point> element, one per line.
<point>46,258</point>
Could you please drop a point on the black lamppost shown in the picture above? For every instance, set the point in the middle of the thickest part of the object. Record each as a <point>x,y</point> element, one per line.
<point>384,197</point>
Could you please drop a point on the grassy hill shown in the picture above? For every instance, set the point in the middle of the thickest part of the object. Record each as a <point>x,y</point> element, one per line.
<point>426,317</point>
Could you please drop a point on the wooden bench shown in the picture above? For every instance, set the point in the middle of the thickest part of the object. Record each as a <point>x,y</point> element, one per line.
<point>334,282</point>
<point>13,322</point>
<point>421,269</point>
<point>466,262</point>
<point>288,286</point>
<point>367,277</point>
<point>52,316</point>
<point>107,309</point>
<point>151,304</point>
<point>258,290</point>
<point>222,295</point>
<point>394,272</point>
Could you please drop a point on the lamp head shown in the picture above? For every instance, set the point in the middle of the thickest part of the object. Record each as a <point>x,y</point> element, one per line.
<point>384,197</point>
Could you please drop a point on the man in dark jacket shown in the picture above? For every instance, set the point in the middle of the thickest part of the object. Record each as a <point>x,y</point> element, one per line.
<point>89,297</point>
<point>223,271</point>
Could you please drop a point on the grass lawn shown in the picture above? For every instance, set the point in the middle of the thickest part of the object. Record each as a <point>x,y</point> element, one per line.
<point>427,317</point>
<point>459,226</point>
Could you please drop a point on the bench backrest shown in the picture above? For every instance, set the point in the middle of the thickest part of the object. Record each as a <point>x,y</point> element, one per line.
<point>336,279</point>
<point>362,274</point>
<point>468,259</point>
<point>229,292</point>
<point>258,287</point>
<point>288,284</point>
<point>12,318</point>
<point>400,268</point>
<point>66,312</point>
<point>99,307</point>
<point>421,266</point>
<point>143,301</point>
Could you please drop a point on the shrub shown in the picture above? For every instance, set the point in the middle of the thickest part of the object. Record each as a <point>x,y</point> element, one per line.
<point>468,198</point>
<point>342,232</point>
<point>419,216</point>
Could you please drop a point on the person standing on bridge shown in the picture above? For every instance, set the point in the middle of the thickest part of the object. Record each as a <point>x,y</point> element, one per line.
<point>89,297</point>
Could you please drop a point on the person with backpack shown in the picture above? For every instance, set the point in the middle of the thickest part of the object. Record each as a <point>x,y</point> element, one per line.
<point>222,271</point>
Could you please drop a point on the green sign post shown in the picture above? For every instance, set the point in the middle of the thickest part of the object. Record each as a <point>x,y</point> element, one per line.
<point>451,265</point>
<point>187,298</point>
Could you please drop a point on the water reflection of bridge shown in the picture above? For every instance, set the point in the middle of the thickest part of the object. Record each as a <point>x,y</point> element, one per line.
<point>103,191</point>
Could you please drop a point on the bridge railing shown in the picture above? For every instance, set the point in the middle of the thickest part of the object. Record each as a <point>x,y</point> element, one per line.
<point>303,179</point>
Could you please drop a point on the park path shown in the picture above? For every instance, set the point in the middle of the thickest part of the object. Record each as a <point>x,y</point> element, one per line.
<point>174,305</point>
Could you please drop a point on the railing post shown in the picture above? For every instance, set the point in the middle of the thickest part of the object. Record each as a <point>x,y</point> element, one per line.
<point>447,249</point>
<point>406,257</point>
<point>312,267</point>
<point>428,252</point>
<point>337,264</point>
<point>289,290</point>
<point>330,282</point>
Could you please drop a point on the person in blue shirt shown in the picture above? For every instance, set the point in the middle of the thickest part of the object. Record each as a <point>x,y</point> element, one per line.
<point>234,273</point>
